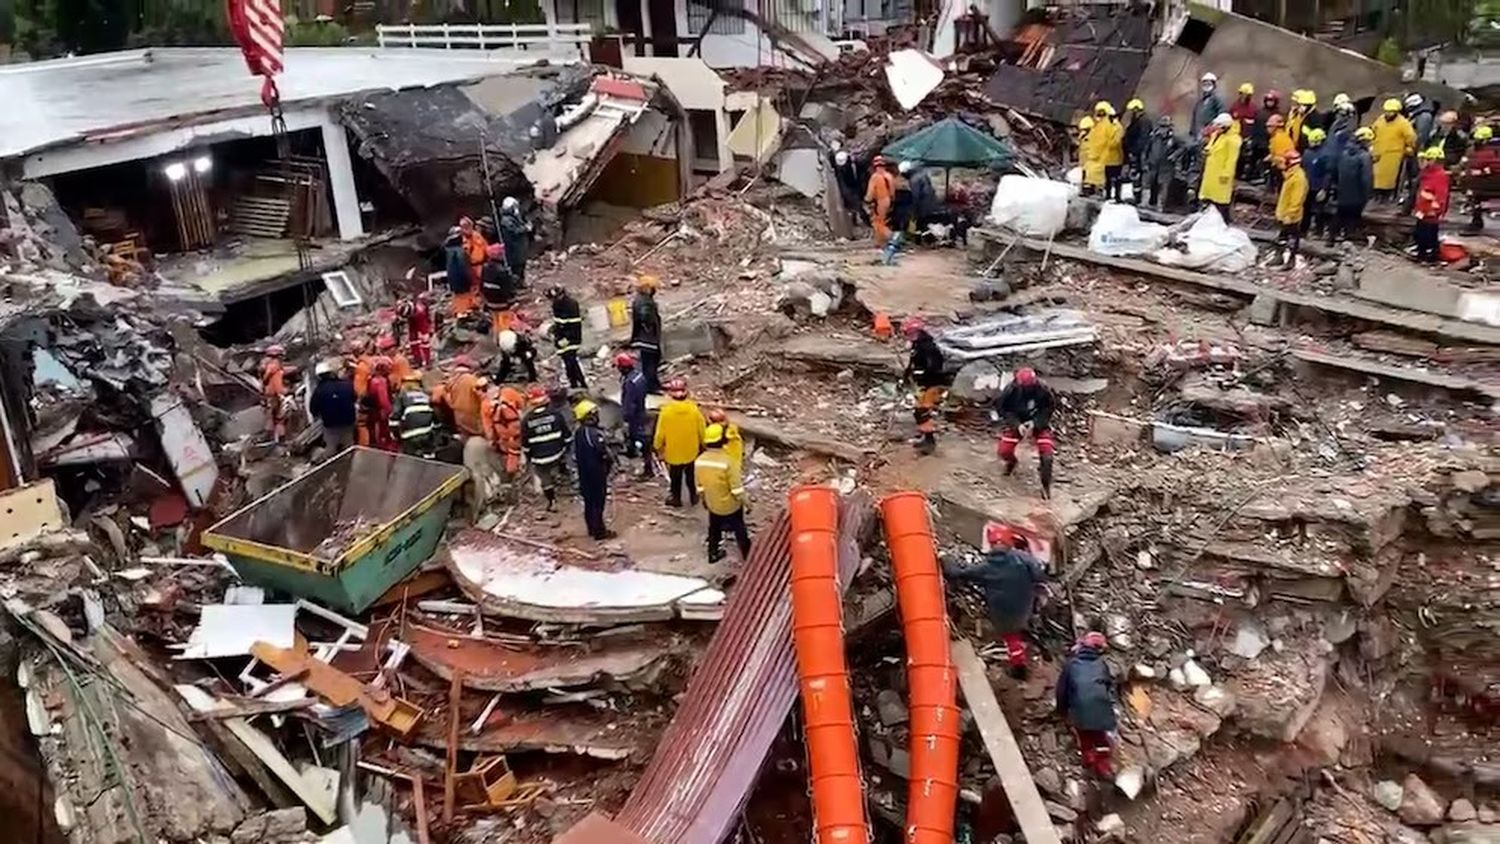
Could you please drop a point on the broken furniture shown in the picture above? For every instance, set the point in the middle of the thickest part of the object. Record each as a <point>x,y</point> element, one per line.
<point>491,785</point>
<point>344,533</point>
<point>341,690</point>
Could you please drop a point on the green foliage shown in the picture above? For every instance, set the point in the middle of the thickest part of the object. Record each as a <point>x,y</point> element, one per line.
<point>316,33</point>
<point>1389,52</point>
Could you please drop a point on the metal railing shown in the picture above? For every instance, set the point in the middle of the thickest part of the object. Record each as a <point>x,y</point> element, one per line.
<point>485,36</point>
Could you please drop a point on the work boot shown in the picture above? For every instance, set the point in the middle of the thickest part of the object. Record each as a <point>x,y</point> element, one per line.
<point>551,498</point>
<point>1010,467</point>
<point>674,501</point>
<point>607,534</point>
<point>927,444</point>
<point>1045,471</point>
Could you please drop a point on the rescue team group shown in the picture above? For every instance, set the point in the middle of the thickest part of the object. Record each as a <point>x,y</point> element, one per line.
<point>1323,167</point>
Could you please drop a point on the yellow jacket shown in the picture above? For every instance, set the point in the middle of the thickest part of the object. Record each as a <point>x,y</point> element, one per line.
<point>1294,123</point>
<point>1281,144</point>
<point>1293,195</point>
<point>679,432</point>
<point>1394,141</point>
<point>1091,156</point>
<point>1219,162</point>
<point>735,445</point>
<point>719,482</point>
<point>1113,142</point>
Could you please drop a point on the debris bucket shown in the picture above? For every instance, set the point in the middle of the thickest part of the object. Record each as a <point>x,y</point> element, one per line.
<point>344,533</point>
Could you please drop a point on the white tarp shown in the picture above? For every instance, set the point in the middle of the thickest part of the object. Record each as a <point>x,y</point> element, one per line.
<point>1120,231</point>
<point>912,75</point>
<point>230,629</point>
<point>1211,244</point>
<point>1031,206</point>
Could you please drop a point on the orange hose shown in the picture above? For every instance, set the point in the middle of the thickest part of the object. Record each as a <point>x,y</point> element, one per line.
<point>818,633</point>
<point>933,796</point>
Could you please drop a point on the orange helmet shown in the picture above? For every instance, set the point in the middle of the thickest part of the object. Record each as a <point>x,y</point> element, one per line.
<point>385,343</point>
<point>537,396</point>
<point>997,534</point>
<point>911,326</point>
<point>677,388</point>
<point>1025,376</point>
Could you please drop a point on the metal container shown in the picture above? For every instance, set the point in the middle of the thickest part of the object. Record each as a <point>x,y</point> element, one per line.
<point>344,533</point>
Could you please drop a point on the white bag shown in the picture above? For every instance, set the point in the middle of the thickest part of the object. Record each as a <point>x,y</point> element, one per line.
<point>1212,244</point>
<point>1120,231</point>
<point>1033,207</point>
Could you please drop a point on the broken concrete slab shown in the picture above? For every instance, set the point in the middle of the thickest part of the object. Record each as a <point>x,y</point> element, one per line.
<point>1278,693</point>
<point>511,577</point>
<point>912,75</point>
<point>790,435</point>
<point>843,351</point>
<point>510,667</point>
<point>801,170</point>
<point>231,629</point>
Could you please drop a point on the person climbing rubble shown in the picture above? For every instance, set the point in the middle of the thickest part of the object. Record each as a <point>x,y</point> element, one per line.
<point>679,440</point>
<point>517,351</point>
<point>515,236</point>
<point>1024,409</point>
<point>718,480</point>
<point>378,402</point>
<point>567,334</point>
<point>413,418</point>
<point>476,251</point>
<point>333,403</point>
<point>456,273</point>
<point>415,314</point>
<point>633,390</point>
<point>503,430</point>
<point>592,457</point>
<point>497,289</point>
<point>1086,699</point>
<point>924,369</point>
<point>645,331</point>
<point>1010,578</point>
<point>846,173</point>
<point>273,391</point>
<point>1431,205</point>
<point>545,437</point>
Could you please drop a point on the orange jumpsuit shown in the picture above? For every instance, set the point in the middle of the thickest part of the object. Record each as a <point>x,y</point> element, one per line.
<point>400,368</point>
<point>272,390</point>
<point>880,193</point>
<point>460,392</point>
<point>364,368</point>
<point>504,429</point>
<point>475,252</point>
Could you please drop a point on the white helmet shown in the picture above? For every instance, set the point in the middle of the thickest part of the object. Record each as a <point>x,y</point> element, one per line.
<point>1209,77</point>
<point>507,341</point>
<point>509,204</point>
<point>326,367</point>
<point>841,158</point>
<point>1413,100</point>
<point>1223,119</point>
<point>904,167</point>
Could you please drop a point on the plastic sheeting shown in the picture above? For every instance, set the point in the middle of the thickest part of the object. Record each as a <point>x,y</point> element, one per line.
<point>1120,231</point>
<point>1210,244</point>
<point>1031,206</point>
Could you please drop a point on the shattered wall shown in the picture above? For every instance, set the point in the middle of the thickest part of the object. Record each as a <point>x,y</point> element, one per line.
<point>1100,56</point>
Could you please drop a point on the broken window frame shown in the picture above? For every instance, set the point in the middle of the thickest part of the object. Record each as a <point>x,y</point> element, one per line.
<point>345,294</point>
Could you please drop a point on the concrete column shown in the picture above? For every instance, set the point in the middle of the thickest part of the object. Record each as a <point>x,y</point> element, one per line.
<point>341,180</point>
<point>723,153</point>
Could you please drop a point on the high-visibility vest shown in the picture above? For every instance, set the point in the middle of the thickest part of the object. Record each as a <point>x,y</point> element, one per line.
<point>417,418</point>
<point>544,435</point>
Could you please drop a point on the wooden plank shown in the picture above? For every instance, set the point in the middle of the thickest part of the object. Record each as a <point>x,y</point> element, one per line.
<point>450,775</point>
<point>1025,800</point>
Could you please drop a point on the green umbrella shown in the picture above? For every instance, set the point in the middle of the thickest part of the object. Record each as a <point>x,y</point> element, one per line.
<point>951,143</point>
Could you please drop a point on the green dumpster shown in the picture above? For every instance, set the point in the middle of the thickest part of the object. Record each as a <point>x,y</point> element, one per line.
<point>344,533</point>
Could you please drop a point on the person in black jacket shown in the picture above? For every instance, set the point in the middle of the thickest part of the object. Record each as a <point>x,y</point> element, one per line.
<point>591,456</point>
<point>924,369</point>
<point>567,334</point>
<point>1025,407</point>
<point>645,331</point>
<point>1086,697</point>
<point>516,348</point>
<point>544,438</point>
<point>1010,578</point>
<point>332,403</point>
<point>851,182</point>
<point>638,432</point>
<point>515,234</point>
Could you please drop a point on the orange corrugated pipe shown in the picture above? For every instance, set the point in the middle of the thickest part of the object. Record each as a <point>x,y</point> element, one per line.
<point>933,796</point>
<point>818,632</point>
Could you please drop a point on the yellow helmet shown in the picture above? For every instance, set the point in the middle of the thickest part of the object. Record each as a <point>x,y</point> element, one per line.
<point>1364,133</point>
<point>1314,135</point>
<point>1484,133</point>
<point>1246,88</point>
<point>1085,123</point>
<point>583,409</point>
<point>1391,106</point>
<point>646,282</point>
<point>1305,97</point>
<point>1135,105</point>
<point>713,434</point>
<point>1432,154</point>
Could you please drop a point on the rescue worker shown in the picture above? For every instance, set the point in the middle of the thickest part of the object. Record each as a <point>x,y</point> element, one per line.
<point>479,454</point>
<point>416,317</point>
<point>379,400</point>
<point>1159,166</point>
<point>362,365</point>
<point>1137,131</point>
<point>1341,126</point>
<point>516,350</point>
<point>476,251</point>
<point>460,395</point>
<point>846,174</point>
<point>591,456</point>
<point>924,199</point>
<point>1394,139</point>
<point>734,441</point>
<point>633,391</point>
<point>924,369</point>
<point>544,439</point>
<point>1423,116</point>
<point>1112,145</point>
<point>1090,156</point>
<point>1086,698</point>
<point>515,235</point>
<point>1319,166</point>
<point>567,334</point>
<point>679,440</point>
<point>718,479</point>
<point>645,331</point>
<point>1431,205</point>
<point>1244,110</point>
<point>1220,159</point>
<point>332,403</point>
<point>413,418</point>
<point>497,289</point>
<point>879,194</point>
<point>504,431</point>
<point>1479,169</point>
<point>1450,138</point>
<point>1258,142</point>
<point>1208,106</point>
<point>386,347</point>
<point>273,391</point>
<point>460,282</point>
<point>1010,578</point>
<point>1303,116</point>
<point>1280,143</point>
<point>1291,206</point>
<point>1353,184</point>
<point>902,212</point>
<point>1025,409</point>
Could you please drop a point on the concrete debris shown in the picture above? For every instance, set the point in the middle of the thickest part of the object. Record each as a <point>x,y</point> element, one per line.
<point>1388,794</point>
<point>1461,811</point>
<point>1420,805</point>
<point>1008,335</point>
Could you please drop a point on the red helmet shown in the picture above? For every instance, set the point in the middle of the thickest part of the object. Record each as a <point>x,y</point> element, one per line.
<point>385,343</point>
<point>276,351</point>
<point>1025,376</point>
<point>463,361</point>
<point>1273,94</point>
<point>624,360</point>
<point>1093,639</point>
<point>677,388</point>
<point>537,395</point>
<point>997,534</point>
<point>718,416</point>
<point>911,325</point>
